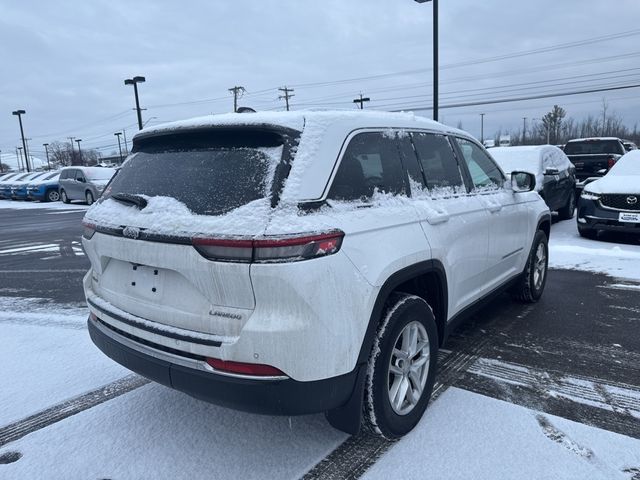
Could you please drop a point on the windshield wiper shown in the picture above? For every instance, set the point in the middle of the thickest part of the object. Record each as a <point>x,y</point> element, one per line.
<point>130,199</point>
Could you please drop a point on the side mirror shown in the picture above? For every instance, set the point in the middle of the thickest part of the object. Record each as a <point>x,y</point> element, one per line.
<point>522,182</point>
<point>551,171</point>
<point>82,180</point>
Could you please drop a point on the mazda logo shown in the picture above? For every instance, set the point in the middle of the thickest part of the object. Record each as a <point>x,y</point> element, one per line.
<point>131,232</point>
<point>632,200</point>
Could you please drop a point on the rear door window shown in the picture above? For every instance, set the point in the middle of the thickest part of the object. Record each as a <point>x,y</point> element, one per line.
<point>211,172</point>
<point>438,161</point>
<point>370,163</point>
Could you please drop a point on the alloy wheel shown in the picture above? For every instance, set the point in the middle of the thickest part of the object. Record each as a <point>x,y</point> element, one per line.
<point>408,368</point>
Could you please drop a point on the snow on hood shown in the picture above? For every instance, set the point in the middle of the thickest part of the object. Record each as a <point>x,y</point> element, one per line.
<point>624,176</point>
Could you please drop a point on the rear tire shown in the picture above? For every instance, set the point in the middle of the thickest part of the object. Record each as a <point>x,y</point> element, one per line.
<point>63,196</point>
<point>402,367</point>
<point>531,284</point>
<point>89,197</point>
<point>52,196</point>
<point>566,212</point>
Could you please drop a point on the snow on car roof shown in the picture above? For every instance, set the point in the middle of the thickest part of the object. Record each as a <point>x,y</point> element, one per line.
<point>592,139</point>
<point>298,120</point>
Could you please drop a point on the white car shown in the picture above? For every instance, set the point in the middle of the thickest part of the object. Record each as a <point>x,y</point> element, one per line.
<point>612,203</point>
<point>299,262</point>
<point>555,174</point>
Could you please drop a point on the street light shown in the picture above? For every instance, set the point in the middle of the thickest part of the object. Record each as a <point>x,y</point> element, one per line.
<point>134,81</point>
<point>78,140</point>
<point>19,156</point>
<point>19,113</point>
<point>46,149</point>
<point>435,56</point>
<point>117,134</point>
<point>482,128</point>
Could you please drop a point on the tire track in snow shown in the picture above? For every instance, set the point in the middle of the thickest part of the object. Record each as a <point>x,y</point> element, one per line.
<point>358,453</point>
<point>19,429</point>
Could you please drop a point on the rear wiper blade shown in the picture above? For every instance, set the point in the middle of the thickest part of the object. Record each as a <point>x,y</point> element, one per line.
<point>130,199</point>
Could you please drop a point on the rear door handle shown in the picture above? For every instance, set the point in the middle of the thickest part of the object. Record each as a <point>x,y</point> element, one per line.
<point>440,217</point>
<point>494,208</point>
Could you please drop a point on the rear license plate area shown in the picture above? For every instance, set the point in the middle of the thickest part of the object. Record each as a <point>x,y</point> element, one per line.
<point>144,281</point>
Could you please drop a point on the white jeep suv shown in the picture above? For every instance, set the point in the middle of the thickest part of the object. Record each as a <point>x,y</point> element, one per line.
<point>299,262</point>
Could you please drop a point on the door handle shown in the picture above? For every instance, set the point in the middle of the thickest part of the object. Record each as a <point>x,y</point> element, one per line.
<point>494,207</point>
<point>440,217</point>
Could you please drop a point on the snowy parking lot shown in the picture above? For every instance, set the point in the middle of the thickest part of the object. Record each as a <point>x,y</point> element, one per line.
<point>550,390</point>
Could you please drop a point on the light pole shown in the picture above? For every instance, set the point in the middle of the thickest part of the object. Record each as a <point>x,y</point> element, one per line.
<point>46,149</point>
<point>524,129</point>
<point>117,134</point>
<point>435,56</point>
<point>1,171</point>
<point>78,140</point>
<point>482,128</point>
<point>134,81</point>
<point>19,113</point>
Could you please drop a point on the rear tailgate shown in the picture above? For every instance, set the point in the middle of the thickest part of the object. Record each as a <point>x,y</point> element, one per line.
<point>589,165</point>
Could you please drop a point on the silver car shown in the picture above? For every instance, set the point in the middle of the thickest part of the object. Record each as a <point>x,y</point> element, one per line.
<point>83,183</point>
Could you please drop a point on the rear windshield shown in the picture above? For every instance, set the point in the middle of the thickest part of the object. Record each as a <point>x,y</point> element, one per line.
<point>589,147</point>
<point>99,173</point>
<point>211,172</point>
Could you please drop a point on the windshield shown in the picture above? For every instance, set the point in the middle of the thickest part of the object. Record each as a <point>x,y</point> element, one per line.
<point>211,173</point>
<point>99,173</point>
<point>593,147</point>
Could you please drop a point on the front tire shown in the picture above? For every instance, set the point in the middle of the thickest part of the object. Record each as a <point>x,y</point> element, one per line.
<point>402,367</point>
<point>52,196</point>
<point>64,197</point>
<point>566,212</point>
<point>89,198</point>
<point>531,284</point>
<point>589,233</point>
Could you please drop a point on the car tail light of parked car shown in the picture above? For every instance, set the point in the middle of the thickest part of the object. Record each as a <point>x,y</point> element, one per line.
<point>281,249</point>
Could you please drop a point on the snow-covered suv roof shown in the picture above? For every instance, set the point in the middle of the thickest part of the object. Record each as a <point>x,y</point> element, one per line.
<point>323,135</point>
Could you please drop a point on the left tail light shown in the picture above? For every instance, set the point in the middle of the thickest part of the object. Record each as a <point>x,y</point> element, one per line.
<point>611,161</point>
<point>88,230</point>
<point>267,250</point>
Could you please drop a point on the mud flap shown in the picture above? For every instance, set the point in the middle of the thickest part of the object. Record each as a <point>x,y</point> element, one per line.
<point>348,418</point>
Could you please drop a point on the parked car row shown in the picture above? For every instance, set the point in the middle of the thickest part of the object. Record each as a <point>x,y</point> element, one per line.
<point>70,183</point>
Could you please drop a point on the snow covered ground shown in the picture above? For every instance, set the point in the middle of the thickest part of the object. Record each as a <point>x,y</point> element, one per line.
<point>570,251</point>
<point>466,435</point>
<point>17,205</point>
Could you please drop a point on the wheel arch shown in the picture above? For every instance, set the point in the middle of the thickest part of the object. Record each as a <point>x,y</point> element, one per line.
<point>426,279</point>
<point>544,224</point>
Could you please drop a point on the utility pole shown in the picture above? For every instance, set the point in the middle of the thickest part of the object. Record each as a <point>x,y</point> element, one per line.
<point>482,128</point>
<point>117,134</point>
<point>126,146</point>
<point>1,171</point>
<point>361,101</point>
<point>46,149</point>
<point>19,156</point>
<point>286,95</point>
<point>79,151</point>
<point>237,93</point>
<point>73,152</point>
<point>524,129</point>
<point>19,114</point>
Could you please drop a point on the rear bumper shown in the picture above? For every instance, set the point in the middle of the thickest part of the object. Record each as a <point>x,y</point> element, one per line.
<point>280,396</point>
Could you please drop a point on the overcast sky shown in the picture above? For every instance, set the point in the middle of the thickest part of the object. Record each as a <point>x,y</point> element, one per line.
<point>65,62</point>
